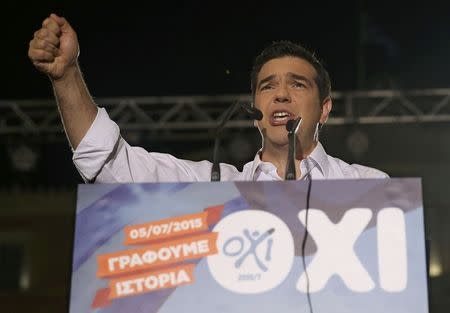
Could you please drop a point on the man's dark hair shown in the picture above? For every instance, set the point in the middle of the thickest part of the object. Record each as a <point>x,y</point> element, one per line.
<point>285,48</point>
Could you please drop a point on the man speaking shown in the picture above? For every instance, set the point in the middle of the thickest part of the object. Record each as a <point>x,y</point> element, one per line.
<point>288,83</point>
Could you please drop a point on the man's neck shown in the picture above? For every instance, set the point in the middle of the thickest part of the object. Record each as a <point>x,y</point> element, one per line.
<point>278,156</point>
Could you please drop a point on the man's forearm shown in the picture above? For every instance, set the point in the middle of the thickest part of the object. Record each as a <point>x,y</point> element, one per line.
<point>75,104</point>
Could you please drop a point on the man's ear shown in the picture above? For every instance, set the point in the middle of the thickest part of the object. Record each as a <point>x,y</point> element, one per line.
<point>327,105</point>
<point>255,122</point>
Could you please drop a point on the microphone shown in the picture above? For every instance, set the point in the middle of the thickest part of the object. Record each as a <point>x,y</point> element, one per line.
<point>292,126</point>
<point>253,112</point>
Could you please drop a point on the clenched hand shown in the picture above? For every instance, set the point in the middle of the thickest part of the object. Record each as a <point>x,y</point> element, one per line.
<point>54,47</point>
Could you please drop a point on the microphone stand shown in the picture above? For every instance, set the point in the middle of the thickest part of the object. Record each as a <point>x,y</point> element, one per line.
<point>254,114</point>
<point>292,126</point>
<point>215,170</point>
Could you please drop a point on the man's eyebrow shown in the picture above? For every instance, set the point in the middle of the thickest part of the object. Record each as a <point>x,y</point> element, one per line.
<point>264,80</point>
<point>300,77</point>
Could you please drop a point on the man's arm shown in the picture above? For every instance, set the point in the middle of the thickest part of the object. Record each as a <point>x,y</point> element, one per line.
<point>75,105</point>
<point>54,51</point>
<point>100,154</point>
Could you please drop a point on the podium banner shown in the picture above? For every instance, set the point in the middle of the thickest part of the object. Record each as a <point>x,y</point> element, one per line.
<point>242,247</point>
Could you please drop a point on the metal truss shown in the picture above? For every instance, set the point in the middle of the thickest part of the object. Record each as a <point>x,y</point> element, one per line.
<point>184,116</point>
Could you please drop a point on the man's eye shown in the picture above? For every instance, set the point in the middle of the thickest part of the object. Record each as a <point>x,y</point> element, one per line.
<point>298,85</point>
<point>265,87</point>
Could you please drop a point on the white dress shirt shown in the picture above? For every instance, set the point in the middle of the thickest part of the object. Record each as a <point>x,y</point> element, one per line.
<point>104,156</point>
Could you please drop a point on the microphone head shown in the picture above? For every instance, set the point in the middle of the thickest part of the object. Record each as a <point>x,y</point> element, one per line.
<point>292,125</point>
<point>254,113</point>
<point>257,114</point>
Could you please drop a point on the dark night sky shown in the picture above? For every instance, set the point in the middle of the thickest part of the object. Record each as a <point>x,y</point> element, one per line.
<point>192,48</point>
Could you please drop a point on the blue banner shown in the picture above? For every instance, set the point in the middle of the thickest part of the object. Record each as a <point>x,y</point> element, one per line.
<point>242,247</point>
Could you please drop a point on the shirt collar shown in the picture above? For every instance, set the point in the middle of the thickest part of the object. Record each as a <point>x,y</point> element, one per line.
<point>260,165</point>
<point>318,156</point>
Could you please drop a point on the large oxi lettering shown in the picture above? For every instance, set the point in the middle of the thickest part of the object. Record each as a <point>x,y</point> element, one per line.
<point>335,253</point>
<point>256,251</point>
<point>392,257</point>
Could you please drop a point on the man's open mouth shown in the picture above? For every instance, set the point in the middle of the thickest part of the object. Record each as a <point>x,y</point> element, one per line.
<point>280,118</point>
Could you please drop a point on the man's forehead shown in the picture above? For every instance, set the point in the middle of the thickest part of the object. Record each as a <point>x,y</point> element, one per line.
<point>287,65</point>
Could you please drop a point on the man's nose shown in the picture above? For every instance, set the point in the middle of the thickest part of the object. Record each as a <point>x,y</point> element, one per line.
<point>282,95</point>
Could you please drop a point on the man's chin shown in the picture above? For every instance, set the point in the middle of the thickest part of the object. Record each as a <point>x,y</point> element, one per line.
<point>277,141</point>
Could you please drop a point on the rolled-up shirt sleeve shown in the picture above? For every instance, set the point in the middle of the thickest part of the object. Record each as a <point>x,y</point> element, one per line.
<point>103,156</point>
<point>96,146</point>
